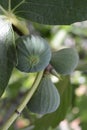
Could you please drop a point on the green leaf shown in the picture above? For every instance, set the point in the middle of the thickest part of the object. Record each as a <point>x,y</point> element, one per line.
<point>46,99</point>
<point>65,60</point>
<point>7,53</point>
<point>53,119</point>
<point>82,66</point>
<point>33,53</point>
<point>49,11</point>
<point>3,4</point>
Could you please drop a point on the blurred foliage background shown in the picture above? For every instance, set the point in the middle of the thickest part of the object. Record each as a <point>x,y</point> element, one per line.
<point>76,117</point>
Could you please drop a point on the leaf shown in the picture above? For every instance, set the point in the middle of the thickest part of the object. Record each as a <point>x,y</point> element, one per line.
<point>4,4</point>
<point>46,99</point>
<point>53,119</point>
<point>49,11</point>
<point>14,87</point>
<point>28,128</point>
<point>65,60</point>
<point>83,125</point>
<point>33,53</point>
<point>82,66</point>
<point>7,53</point>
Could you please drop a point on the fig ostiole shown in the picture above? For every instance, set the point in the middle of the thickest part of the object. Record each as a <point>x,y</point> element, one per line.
<point>46,98</point>
<point>33,53</point>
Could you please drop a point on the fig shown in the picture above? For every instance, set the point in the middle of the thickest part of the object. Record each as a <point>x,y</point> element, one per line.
<point>65,60</point>
<point>46,98</point>
<point>33,53</point>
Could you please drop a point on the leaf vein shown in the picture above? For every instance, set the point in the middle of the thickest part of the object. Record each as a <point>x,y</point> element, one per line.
<point>23,1</point>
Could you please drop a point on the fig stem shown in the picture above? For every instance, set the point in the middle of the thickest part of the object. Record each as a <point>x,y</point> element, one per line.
<point>53,71</point>
<point>24,102</point>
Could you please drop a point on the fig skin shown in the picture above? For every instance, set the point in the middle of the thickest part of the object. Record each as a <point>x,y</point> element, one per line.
<point>65,61</point>
<point>46,99</point>
<point>33,53</point>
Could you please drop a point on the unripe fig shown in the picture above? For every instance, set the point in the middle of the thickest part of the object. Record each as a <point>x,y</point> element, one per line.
<point>46,99</point>
<point>65,60</point>
<point>33,53</point>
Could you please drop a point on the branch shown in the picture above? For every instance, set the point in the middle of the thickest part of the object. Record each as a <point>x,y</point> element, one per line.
<point>24,102</point>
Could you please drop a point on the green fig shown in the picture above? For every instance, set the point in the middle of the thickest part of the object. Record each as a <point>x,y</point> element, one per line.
<point>33,53</point>
<point>46,98</point>
<point>65,60</point>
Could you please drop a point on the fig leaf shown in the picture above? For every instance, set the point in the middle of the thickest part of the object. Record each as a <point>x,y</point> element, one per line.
<point>7,53</point>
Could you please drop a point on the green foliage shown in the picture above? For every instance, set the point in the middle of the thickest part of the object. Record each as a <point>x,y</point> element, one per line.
<point>7,53</point>
<point>65,60</point>
<point>33,53</point>
<point>4,4</point>
<point>49,12</point>
<point>46,99</point>
<point>82,66</point>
